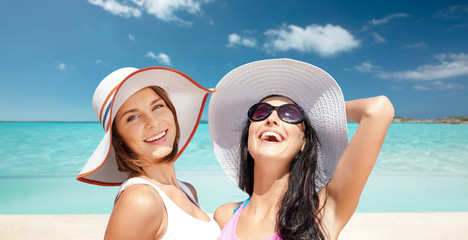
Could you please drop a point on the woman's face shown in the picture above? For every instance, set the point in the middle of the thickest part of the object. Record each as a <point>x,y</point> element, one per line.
<point>146,125</point>
<point>273,138</point>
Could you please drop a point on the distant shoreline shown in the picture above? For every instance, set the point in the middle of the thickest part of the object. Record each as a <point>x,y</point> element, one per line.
<point>446,120</point>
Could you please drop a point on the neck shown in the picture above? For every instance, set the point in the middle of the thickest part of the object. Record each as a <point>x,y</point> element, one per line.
<point>269,187</point>
<point>160,173</point>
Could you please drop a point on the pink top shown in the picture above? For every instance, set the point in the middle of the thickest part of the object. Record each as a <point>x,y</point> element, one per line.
<point>229,230</point>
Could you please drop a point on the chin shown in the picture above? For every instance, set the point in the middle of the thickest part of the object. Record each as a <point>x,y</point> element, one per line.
<point>162,154</point>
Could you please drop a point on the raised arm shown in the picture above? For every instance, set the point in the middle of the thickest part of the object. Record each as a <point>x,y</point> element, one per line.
<point>374,116</point>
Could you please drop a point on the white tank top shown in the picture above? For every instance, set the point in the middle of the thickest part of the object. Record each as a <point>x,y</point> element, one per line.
<point>180,225</point>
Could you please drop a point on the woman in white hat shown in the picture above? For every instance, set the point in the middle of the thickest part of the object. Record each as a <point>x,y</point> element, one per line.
<point>149,116</point>
<point>279,130</point>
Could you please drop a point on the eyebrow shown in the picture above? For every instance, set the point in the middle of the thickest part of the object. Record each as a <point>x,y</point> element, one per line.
<point>136,110</point>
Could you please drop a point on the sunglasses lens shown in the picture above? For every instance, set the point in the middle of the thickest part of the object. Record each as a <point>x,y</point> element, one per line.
<point>291,113</point>
<point>259,111</point>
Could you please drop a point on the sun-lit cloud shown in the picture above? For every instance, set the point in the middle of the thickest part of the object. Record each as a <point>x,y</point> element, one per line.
<point>162,58</point>
<point>164,10</point>
<point>449,66</point>
<point>366,67</point>
<point>325,40</point>
<point>131,37</point>
<point>235,39</point>
<point>117,8</point>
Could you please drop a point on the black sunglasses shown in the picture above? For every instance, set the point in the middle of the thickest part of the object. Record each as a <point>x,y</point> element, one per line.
<point>289,113</point>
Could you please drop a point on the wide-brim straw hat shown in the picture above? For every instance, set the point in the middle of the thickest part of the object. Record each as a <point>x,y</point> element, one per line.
<point>309,86</point>
<point>187,96</point>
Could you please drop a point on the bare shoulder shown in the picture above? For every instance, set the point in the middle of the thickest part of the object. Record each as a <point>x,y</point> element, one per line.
<point>192,189</point>
<point>131,215</point>
<point>224,212</point>
<point>140,196</point>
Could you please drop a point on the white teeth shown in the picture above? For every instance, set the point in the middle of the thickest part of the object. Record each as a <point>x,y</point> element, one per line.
<point>265,135</point>
<point>156,137</point>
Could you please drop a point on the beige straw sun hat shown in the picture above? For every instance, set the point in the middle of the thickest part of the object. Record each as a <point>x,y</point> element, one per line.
<point>309,86</point>
<point>187,96</point>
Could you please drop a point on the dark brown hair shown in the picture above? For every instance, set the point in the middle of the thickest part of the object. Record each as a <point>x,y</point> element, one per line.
<point>128,161</point>
<point>297,217</point>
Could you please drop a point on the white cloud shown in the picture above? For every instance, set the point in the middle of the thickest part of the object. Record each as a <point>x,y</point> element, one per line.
<point>454,12</point>
<point>100,62</point>
<point>62,66</point>
<point>366,67</point>
<point>415,45</point>
<point>438,85</point>
<point>384,20</point>
<point>326,40</point>
<point>162,9</point>
<point>236,40</point>
<point>117,8</point>
<point>387,18</point>
<point>378,38</point>
<point>162,58</point>
<point>450,66</point>
<point>131,37</point>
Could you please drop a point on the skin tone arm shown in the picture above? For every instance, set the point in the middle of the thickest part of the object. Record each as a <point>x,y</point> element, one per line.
<point>138,214</point>
<point>374,116</point>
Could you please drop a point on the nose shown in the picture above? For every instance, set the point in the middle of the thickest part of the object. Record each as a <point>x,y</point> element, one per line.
<point>151,121</point>
<point>273,119</point>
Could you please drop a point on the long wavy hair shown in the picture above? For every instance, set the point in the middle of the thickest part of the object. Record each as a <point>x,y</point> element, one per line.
<point>297,217</point>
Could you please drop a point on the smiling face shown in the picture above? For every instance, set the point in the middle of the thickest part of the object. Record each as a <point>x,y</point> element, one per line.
<point>273,138</point>
<point>146,125</point>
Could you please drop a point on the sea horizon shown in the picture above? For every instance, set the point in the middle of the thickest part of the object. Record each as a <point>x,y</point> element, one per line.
<point>206,120</point>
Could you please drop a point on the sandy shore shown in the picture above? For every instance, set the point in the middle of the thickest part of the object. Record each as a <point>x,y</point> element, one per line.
<point>407,226</point>
<point>362,226</point>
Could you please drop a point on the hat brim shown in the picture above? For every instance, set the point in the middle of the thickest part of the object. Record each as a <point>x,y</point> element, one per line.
<point>309,86</point>
<point>188,98</point>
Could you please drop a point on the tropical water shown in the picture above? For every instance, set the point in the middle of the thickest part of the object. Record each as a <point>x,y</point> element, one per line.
<point>421,167</point>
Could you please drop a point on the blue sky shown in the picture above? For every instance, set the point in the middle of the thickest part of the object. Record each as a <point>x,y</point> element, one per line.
<point>53,54</point>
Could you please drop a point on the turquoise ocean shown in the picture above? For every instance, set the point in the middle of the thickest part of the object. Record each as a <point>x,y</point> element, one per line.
<point>422,167</point>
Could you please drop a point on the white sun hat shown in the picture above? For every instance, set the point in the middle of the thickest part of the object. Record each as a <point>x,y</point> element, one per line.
<point>187,96</point>
<point>309,86</point>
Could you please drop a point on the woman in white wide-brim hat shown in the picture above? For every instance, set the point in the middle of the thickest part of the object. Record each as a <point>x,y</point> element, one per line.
<point>149,116</point>
<point>279,130</point>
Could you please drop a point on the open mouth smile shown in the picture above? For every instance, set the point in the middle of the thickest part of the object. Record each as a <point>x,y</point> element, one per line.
<point>156,137</point>
<point>271,136</point>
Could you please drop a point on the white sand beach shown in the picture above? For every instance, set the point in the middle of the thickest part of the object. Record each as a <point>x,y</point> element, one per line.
<point>407,226</point>
<point>362,226</point>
